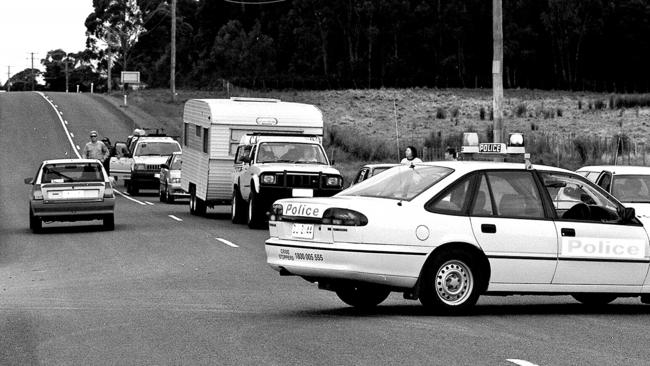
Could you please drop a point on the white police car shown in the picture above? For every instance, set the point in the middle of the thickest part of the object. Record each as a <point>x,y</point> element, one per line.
<point>447,232</point>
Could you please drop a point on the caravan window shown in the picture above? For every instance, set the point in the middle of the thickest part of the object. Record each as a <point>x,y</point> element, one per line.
<point>206,140</point>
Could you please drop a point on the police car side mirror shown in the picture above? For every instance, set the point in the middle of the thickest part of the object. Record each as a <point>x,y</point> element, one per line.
<point>29,181</point>
<point>629,214</point>
<point>164,166</point>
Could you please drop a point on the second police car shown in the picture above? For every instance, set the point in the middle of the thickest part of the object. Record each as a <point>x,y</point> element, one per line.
<point>447,232</point>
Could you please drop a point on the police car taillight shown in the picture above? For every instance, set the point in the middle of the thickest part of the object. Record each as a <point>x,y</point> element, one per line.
<point>276,212</point>
<point>344,217</point>
<point>108,190</point>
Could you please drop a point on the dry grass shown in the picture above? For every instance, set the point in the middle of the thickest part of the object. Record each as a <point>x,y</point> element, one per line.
<point>381,115</point>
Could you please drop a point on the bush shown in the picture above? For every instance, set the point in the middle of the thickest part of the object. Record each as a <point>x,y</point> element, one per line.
<point>559,112</point>
<point>520,110</point>
<point>455,112</point>
<point>441,113</point>
<point>600,104</point>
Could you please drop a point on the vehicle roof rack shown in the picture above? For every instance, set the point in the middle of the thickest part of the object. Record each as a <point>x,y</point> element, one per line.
<point>264,100</point>
<point>157,132</point>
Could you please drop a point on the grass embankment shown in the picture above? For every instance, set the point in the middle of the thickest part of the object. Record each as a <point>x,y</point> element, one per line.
<point>568,129</point>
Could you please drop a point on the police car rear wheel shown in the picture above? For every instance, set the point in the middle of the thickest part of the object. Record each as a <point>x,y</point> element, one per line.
<point>594,299</point>
<point>449,283</point>
<point>362,296</point>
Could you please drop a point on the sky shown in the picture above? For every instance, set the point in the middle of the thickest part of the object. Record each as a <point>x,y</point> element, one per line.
<point>39,26</point>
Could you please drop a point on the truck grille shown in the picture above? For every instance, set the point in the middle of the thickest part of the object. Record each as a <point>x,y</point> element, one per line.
<point>153,167</point>
<point>300,181</point>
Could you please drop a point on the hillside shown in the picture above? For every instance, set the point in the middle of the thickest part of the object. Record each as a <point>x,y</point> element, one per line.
<point>368,119</point>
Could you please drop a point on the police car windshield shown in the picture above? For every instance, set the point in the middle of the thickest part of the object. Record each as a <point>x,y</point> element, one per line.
<point>402,182</point>
<point>294,153</point>
<point>156,148</point>
<point>631,188</point>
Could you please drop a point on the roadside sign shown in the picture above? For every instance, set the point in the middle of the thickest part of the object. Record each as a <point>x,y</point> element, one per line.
<point>130,77</point>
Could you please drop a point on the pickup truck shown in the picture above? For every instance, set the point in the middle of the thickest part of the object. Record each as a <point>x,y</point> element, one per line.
<point>139,166</point>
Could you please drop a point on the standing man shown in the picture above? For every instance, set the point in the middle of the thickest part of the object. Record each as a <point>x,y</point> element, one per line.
<point>95,149</point>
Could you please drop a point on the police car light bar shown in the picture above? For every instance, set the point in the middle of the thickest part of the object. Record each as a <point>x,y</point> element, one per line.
<point>471,145</point>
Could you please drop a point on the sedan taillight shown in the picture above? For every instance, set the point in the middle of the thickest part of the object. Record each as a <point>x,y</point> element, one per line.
<point>37,193</point>
<point>108,190</point>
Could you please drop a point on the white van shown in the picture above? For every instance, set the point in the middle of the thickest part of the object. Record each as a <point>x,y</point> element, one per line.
<point>212,130</point>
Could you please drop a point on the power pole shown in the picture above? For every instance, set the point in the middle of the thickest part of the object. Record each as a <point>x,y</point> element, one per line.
<point>66,72</point>
<point>172,75</point>
<point>8,84</point>
<point>32,53</point>
<point>497,70</point>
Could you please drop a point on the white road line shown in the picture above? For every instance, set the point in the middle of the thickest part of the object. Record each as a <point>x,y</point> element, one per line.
<point>228,243</point>
<point>521,362</point>
<point>149,203</point>
<point>175,218</point>
<point>129,198</point>
<point>62,124</point>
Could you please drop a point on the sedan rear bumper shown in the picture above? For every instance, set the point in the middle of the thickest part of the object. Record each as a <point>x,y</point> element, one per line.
<point>73,211</point>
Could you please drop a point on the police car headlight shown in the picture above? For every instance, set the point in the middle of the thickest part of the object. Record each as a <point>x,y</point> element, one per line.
<point>139,167</point>
<point>334,181</point>
<point>268,179</point>
<point>344,217</point>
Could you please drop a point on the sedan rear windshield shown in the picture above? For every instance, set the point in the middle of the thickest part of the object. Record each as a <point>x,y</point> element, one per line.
<point>67,173</point>
<point>403,182</point>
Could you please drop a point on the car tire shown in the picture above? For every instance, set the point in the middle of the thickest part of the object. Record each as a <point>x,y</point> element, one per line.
<point>35,223</point>
<point>450,283</point>
<point>168,196</point>
<point>237,209</point>
<point>594,299</point>
<point>109,222</point>
<point>254,216</point>
<point>197,206</point>
<point>132,188</point>
<point>162,193</point>
<point>363,297</point>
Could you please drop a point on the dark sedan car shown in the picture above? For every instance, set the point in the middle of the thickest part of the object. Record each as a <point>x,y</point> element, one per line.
<point>370,170</point>
<point>71,190</point>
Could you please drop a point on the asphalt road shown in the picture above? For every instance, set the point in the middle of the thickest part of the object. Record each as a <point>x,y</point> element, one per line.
<point>167,288</point>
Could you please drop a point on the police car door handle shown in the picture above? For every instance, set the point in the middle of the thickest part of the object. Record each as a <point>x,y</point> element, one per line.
<point>489,228</point>
<point>568,232</point>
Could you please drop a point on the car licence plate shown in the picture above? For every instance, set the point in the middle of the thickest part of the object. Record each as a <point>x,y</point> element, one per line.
<point>73,194</point>
<point>302,192</point>
<point>302,231</point>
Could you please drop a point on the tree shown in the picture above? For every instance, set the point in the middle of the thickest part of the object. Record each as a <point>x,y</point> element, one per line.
<point>117,24</point>
<point>23,80</point>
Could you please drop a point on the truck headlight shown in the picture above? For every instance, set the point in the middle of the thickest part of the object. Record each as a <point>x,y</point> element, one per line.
<point>334,181</point>
<point>176,180</point>
<point>268,179</point>
<point>139,167</point>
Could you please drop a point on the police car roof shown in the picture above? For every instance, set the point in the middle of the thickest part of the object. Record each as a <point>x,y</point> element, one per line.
<point>472,165</point>
<point>617,169</point>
